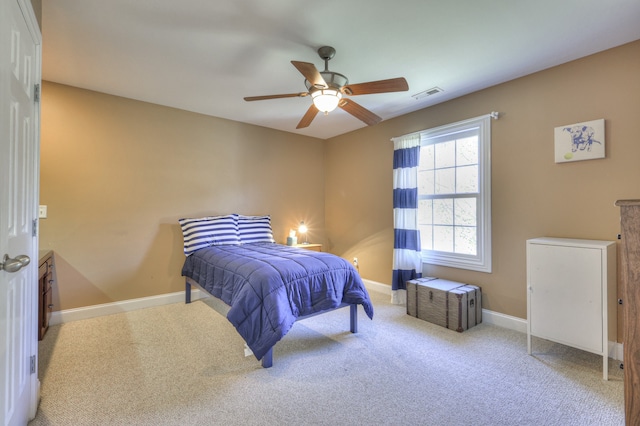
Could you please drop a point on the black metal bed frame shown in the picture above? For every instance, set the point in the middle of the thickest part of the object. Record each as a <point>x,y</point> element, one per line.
<point>267,359</point>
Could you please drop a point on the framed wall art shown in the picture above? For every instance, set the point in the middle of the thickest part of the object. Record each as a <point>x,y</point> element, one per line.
<point>579,141</point>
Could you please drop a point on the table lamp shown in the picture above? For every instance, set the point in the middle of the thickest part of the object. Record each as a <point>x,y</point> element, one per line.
<point>302,229</point>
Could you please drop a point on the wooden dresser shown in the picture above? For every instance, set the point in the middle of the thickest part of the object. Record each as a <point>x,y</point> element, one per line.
<point>630,295</point>
<point>45,282</point>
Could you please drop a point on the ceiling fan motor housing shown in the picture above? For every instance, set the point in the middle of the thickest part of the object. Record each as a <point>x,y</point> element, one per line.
<point>333,79</point>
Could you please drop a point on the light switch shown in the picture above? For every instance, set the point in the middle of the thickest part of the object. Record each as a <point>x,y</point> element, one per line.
<point>42,212</point>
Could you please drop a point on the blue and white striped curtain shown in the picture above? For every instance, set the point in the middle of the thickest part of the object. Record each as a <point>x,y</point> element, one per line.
<point>407,262</point>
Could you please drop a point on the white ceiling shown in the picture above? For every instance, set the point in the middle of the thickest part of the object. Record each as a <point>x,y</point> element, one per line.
<point>206,55</point>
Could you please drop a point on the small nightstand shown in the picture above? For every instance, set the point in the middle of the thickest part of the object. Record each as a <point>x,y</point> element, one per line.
<point>314,247</point>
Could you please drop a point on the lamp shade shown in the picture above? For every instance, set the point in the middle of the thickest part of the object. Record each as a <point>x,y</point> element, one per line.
<point>326,100</point>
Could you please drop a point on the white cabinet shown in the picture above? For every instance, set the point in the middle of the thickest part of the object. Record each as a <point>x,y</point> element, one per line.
<point>571,293</point>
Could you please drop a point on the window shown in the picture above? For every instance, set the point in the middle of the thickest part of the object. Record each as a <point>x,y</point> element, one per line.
<point>454,195</point>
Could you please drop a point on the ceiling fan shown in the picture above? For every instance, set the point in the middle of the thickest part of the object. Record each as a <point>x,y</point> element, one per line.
<point>328,90</point>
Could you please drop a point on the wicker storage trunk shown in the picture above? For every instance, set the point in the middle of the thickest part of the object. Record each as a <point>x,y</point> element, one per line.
<point>450,304</point>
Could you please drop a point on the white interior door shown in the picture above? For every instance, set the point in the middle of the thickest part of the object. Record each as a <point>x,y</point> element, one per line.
<point>19,163</point>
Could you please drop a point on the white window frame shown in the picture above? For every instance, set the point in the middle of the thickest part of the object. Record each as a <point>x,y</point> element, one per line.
<point>482,260</point>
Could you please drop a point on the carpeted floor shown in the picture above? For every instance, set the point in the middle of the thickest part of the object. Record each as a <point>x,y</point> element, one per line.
<point>184,365</point>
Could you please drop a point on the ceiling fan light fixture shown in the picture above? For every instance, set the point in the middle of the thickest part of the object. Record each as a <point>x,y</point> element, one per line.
<point>326,100</point>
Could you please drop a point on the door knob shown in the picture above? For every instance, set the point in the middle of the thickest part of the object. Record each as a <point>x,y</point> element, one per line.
<point>14,265</point>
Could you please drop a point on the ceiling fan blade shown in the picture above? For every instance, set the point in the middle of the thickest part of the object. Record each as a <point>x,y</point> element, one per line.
<point>359,112</point>
<point>288,95</point>
<point>308,117</point>
<point>381,86</point>
<point>311,73</point>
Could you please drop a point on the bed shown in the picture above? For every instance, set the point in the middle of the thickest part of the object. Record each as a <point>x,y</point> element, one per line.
<point>269,286</point>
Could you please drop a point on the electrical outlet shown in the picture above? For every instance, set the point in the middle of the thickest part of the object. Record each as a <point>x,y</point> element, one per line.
<point>42,212</point>
<point>355,261</point>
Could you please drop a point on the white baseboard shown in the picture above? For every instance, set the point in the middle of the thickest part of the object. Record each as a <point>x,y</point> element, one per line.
<point>498,319</point>
<point>60,317</point>
<point>615,351</point>
<point>68,315</point>
<point>505,321</point>
<point>376,286</point>
<point>490,317</point>
<point>93,311</point>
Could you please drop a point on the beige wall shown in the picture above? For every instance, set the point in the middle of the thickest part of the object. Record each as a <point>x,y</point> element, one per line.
<point>117,174</point>
<point>531,195</point>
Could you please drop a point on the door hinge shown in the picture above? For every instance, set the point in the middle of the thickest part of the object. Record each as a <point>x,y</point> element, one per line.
<point>36,93</point>
<point>33,364</point>
<point>34,228</point>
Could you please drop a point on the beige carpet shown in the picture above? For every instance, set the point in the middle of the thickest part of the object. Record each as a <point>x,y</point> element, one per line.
<point>184,365</point>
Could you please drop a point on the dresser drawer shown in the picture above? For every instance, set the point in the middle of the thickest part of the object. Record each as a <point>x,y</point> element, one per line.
<point>46,265</point>
<point>45,293</point>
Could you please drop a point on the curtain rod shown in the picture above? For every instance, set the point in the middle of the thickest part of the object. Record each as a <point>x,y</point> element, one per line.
<point>493,114</point>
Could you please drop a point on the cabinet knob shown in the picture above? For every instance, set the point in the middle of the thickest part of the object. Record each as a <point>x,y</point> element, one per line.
<point>50,306</point>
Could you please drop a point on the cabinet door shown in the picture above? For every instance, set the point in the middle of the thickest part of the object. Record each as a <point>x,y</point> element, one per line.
<point>566,295</point>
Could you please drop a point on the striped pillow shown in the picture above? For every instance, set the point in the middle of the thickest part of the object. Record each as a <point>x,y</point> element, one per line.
<point>209,231</point>
<point>255,229</point>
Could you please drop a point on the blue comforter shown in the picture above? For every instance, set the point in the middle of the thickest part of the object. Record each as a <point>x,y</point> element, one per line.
<point>269,286</point>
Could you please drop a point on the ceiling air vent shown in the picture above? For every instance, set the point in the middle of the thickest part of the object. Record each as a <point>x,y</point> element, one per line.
<point>426,93</point>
